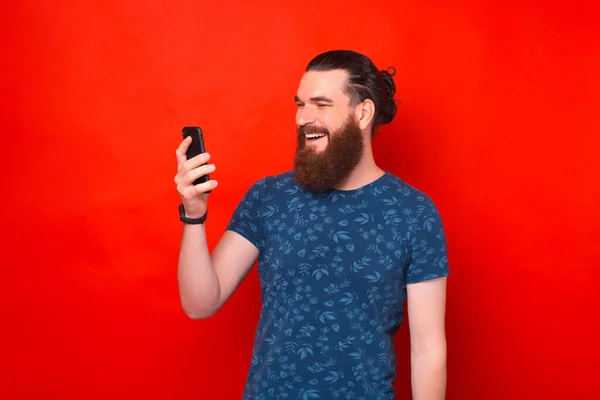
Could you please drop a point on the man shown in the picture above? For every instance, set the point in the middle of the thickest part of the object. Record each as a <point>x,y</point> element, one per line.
<point>340,244</point>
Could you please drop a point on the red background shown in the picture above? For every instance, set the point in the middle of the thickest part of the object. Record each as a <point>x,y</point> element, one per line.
<point>498,123</point>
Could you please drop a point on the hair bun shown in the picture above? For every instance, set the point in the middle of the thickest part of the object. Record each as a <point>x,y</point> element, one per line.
<point>389,107</point>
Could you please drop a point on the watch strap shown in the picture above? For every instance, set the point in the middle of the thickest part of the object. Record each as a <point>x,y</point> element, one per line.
<point>188,220</point>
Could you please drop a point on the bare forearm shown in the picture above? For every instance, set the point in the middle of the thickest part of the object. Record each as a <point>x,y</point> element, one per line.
<point>429,374</point>
<point>198,283</point>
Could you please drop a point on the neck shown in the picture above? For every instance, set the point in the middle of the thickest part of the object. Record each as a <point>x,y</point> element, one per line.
<point>365,172</point>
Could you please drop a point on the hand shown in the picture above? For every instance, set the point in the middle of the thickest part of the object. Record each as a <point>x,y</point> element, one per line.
<point>193,196</point>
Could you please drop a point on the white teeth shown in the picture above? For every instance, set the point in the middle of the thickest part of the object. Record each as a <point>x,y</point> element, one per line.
<point>314,135</point>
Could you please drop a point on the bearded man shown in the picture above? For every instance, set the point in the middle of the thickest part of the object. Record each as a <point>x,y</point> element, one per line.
<point>341,245</point>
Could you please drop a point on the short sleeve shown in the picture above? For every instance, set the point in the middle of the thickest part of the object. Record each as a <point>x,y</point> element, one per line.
<point>429,256</point>
<point>246,219</point>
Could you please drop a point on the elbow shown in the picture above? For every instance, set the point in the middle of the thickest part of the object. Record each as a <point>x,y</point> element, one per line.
<point>200,305</point>
<point>197,313</point>
<point>434,348</point>
<point>432,359</point>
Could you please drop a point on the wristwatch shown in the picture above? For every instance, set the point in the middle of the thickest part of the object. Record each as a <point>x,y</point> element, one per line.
<point>188,220</point>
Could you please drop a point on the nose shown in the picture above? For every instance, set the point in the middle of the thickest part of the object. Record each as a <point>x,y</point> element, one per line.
<point>304,116</point>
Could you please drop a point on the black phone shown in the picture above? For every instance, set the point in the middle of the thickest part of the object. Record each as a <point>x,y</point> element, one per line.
<point>196,147</point>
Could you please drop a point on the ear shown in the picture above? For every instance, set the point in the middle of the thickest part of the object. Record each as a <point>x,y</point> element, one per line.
<point>365,112</point>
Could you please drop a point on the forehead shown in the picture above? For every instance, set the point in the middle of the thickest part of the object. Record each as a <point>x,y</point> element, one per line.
<point>323,83</point>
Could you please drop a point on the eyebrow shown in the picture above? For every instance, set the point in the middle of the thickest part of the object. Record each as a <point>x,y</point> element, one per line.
<point>316,99</point>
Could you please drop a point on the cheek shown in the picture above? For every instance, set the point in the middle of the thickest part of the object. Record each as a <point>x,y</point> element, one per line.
<point>331,120</point>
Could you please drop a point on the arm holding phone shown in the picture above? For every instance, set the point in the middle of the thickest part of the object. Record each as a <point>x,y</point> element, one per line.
<point>206,280</point>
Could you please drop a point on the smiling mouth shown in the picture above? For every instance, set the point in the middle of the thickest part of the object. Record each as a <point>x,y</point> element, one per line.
<point>314,136</point>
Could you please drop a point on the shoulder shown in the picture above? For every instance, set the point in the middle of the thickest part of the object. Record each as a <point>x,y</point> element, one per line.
<point>409,197</point>
<point>279,180</point>
<point>274,182</point>
<point>269,185</point>
<point>408,191</point>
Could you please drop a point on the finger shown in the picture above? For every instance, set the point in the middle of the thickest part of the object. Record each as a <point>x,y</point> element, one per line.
<point>190,192</point>
<point>206,186</point>
<point>181,149</point>
<point>195,162</point>
<point>192,175</point>
<point>188,171</point>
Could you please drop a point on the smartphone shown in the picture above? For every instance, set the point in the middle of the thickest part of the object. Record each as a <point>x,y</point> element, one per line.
<point>196,147</point>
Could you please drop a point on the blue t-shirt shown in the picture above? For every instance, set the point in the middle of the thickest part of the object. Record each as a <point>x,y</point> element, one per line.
<point>333,269</point>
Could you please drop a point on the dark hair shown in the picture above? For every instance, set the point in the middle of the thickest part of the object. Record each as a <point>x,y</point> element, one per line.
<point>365,81</point>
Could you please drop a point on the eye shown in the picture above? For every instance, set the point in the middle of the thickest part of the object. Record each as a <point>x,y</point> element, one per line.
<point>322,105</point>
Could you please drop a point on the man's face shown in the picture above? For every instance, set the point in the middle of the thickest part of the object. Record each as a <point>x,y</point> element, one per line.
<point>330,142</point>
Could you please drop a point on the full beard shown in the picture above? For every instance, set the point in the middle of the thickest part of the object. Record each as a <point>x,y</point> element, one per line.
<point>323,171</point>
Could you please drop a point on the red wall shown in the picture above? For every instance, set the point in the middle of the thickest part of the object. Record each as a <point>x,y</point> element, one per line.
<point>498,123</point>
